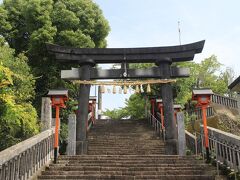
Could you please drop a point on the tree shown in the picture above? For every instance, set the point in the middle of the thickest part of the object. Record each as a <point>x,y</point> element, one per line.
<point>28,24</point>
<point>116,113</point>
<point>135,109</point>
<point>207,74</point>
<point>18,118</point>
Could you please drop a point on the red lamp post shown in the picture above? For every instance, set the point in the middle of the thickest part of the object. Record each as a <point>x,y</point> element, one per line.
<point>58,97</point>
<point>203,98</point>
<point>160,107</point>
<point>92,108</point>
<point>177,108</point>
<point>152,101</point>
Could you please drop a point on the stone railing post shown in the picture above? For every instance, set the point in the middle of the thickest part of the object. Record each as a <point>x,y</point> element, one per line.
<point>46,114</point>
<point>71,147</point>
<point>181,134</point>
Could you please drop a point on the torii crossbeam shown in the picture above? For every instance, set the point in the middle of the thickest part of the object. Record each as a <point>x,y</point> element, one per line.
<point>163,57</point>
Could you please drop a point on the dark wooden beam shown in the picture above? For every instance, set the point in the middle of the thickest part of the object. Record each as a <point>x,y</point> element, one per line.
<point>128,55</point>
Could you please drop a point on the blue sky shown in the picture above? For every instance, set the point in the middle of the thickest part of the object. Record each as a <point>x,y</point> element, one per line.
<point>141,23</point>
<point>136,23</point>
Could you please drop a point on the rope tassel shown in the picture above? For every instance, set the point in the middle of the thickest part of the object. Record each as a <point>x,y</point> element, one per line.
<point>148,88</point>
<point>114,89</point>
<point>137,89</point>
<point>102,89</point>
<point>141,88</point>
<point>120,90</point>
<point>125,89</point>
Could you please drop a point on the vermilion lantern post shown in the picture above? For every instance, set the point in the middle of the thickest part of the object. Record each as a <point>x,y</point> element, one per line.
<point>92,107</point>
<point>160,107</point>
<point>177,108</point>
<point>203,98</point>
<point>152,101</point>
<point>58,97</point>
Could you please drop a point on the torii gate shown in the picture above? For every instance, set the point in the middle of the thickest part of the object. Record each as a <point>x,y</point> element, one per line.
<point>163,57</point>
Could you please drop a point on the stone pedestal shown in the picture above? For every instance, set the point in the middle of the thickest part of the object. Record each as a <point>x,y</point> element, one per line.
<point>46,114</point>
<point>71,147</point>
<point>181,134</point>
<point>81,147</point>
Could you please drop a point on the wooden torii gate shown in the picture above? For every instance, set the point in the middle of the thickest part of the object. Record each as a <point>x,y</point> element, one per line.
<point>163,57</point>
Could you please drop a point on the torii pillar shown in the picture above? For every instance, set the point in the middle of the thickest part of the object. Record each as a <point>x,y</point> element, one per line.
<point>167,98</point>
<point>83,99</point>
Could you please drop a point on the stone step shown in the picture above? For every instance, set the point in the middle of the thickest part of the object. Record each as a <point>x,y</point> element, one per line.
<point>146,161</point>
<point>127,150</point>
<point>125,140</point>
<point>129,168</point>
<point>130,150</point>
<point>130,156</point>
<point>133,173</point>
<point>140,141</point>
<point>126,147</point>
<point>128,177</point>
<point>124,153</point>
<point>153,165</point>
<point>123,145</point>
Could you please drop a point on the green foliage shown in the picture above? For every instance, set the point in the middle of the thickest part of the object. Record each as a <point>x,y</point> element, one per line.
<point>28,24</point>
<point>135,106</point>
<point>116,113</point>
<point>135,109</point>
<point>207,74</point>
<point>18,118</point>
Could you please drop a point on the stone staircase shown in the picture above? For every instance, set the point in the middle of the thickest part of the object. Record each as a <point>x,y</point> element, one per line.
<point>127,149</point>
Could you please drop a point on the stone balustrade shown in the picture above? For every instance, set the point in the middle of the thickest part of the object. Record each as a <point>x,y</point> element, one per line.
<point>24,159</point>
<point>198,112</point>
<point>225,148</point>
<point>225,101</point>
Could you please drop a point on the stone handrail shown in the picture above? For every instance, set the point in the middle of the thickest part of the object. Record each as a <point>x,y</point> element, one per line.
<point>226,147</point>
<point>24,159</point>
<point>157,125</point>
<point>226,101</point>
<point>193,143</point>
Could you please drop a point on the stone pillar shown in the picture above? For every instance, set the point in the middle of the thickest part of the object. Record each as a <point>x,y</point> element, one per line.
<point>46,114</point>
<point>82,115</point>
<point>181,134</point>
<point>238,101</point>
<point>146,106</point>
<point>167,97</point>
<point>71,147</point>
<point>99,103</point>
